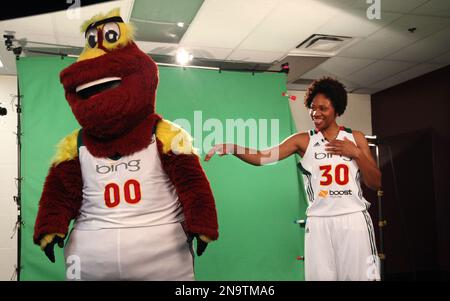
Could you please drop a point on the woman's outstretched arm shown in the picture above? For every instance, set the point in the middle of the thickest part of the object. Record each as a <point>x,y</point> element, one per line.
<point>296,143</point>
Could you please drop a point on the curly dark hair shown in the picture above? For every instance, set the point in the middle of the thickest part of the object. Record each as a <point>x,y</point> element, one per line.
<point>332,89</point>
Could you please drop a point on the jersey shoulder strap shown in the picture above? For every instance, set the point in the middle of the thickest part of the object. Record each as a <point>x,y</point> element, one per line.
<point>79,140</point>
<point>346,129</point>
<point>313,132</point>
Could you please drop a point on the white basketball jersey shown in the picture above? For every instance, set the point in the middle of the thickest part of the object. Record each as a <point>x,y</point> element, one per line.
<point>332,182</point>
<point>133,191</point>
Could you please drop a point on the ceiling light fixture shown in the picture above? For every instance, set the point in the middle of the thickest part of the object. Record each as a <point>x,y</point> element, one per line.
<point>183,57</point>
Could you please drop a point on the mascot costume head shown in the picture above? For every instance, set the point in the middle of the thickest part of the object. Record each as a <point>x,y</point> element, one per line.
<point>112,87</point>
<point>130,180</point>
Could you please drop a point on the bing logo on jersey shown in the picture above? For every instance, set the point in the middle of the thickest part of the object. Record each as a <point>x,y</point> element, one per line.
<point>132,166</point>
<point>321,156</point>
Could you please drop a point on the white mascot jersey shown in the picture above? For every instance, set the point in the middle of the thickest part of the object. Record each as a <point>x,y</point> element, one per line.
<point>133,191</point>
<point>332,182</point>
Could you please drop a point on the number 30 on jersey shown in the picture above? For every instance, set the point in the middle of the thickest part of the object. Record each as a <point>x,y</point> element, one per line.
<point>339,174</point>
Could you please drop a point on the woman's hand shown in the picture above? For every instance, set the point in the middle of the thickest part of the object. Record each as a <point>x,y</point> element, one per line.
<point>221,150</point>
<point>344,148</point>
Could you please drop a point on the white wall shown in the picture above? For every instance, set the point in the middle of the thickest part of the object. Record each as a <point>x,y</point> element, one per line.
<point>357,116</point>
<point>8,173</point>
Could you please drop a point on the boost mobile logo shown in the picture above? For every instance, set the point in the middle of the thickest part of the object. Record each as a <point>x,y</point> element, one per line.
<point>132,166</point>
<point>323,193</point>
<point>332,193</point>
<point>321,156</point>
<point>340,192</point>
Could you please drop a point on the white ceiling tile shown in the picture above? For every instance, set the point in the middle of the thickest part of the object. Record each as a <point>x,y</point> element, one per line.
<point>254,56</point>
<point>398,6</point>
<point>171,49</point>
<point>298,65</point>
<point>434,8</point>
<point>344,65</point>
<point>354,23</point>
<point>224,24</point>
<point>369,91</point>
<point>396,36</point>
<point>378,71</point>
<point>341,4</point>
<point>157,48</point>
<point>349,85</point>
<point>317,72</point>
<point>406,75</point>
<point>210,52</point>
<point>425,49</point>
<point>443,59</point>
<point>39,24</point>
<point>289,24</point>
<point>377,46</point>
<point>425,25</point>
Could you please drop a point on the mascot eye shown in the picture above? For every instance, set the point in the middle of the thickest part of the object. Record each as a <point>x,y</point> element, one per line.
<point>91,37</point>
<point>111,32</point>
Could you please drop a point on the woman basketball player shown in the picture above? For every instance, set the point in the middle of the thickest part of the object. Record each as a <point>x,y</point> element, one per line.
<point>339,235</point>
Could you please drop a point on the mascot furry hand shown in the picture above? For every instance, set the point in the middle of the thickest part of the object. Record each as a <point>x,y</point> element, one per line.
<point>131,180</point>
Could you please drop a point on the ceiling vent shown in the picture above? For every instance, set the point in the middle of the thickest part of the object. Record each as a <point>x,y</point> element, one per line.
<point>323,45</point>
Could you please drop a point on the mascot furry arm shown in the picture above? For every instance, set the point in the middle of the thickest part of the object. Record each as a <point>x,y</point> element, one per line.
<point>117,115</point>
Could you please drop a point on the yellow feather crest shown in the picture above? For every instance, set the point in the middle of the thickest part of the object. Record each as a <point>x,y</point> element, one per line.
<point>127,31</point>
<point>100,16</point>
<point>174,138</point>
<point>66,149</point>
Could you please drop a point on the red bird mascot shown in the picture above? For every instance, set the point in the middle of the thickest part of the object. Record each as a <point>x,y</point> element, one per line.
<point>131,180</point>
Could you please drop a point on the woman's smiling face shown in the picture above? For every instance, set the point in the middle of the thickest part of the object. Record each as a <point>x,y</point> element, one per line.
<point>322,112</point>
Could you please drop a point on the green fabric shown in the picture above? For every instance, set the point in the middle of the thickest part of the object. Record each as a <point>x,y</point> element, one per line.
<point>256,206</point>
<point>46,118</point>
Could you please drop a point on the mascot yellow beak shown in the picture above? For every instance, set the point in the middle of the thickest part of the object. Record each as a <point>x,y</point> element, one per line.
<point>105,33</point>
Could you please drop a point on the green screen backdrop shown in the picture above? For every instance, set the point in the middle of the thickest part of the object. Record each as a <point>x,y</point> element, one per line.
<point>257,206</point>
